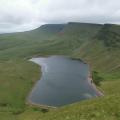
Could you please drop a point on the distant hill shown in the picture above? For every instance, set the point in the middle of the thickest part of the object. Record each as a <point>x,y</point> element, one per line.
<point>110,35</point>
<point>16,42</point>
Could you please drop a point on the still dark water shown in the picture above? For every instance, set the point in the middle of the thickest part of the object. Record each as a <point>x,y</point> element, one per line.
<point>64,81</point>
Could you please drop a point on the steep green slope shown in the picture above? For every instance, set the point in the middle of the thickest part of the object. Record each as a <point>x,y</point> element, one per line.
<point>103,52</point>
<point>73,36</point>
<point>94,43</point>
<point>110,35</point>
<point>63,39</point>
<point>29,43</point>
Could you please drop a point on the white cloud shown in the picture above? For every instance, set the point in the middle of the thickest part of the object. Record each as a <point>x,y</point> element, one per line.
<point>21,15</point>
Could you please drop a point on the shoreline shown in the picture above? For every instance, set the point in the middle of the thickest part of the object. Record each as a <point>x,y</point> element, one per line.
<point>95,87</point>
<point>99,92</point>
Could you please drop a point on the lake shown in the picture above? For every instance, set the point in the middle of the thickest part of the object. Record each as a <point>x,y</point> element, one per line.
<point>64,81</point>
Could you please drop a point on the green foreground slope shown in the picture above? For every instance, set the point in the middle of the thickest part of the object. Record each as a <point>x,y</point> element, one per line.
<point>99,45</point>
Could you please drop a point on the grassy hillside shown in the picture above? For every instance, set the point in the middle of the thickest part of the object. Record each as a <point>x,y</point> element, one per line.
<point>110,35</point>
<point>99,45</point>
<point>103,51</point>
<point>48,39</point>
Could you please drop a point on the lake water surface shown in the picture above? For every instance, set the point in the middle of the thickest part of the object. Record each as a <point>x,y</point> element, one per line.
<point>64,81</point>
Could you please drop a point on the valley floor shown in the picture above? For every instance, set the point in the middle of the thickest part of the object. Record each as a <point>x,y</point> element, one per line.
<point>17,79</point>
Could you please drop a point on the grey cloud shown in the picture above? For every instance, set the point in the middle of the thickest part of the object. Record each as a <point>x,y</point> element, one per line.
<point>21,15</point>
<point>97,11</point>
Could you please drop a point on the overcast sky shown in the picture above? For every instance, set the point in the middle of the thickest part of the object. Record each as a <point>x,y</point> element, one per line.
<point>21,15</point>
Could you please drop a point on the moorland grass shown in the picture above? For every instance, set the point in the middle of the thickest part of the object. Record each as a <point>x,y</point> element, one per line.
<point>18,75</point>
